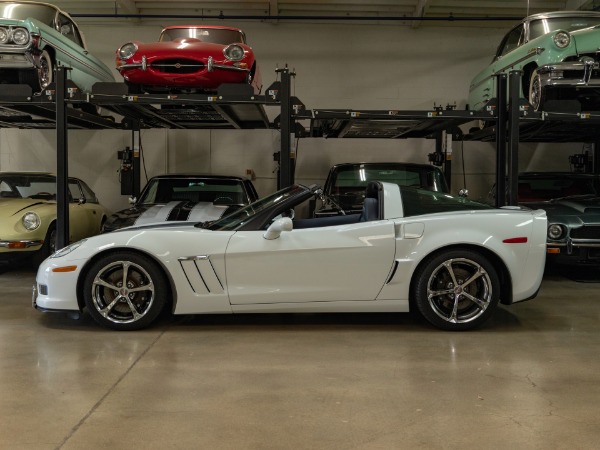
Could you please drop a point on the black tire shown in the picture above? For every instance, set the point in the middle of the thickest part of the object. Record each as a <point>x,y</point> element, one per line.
<point>41,77</point>
<point>457,290</point>
<point>48,247</point>
<point>537,94</point>
<point>133,308</point>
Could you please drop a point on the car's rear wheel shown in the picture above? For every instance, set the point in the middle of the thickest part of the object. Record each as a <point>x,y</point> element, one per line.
<point>125,291</point>
<point>42,76</point>
<point>457,289</point>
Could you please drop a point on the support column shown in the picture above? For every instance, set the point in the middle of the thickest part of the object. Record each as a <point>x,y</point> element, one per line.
<point>286,176</point>
<point>501,140</point>
<point>514,80</point>
<point>136,146</point>
<point>62,168</point>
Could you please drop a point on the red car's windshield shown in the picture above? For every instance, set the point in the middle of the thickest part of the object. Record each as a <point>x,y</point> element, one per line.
<point>213,35</point>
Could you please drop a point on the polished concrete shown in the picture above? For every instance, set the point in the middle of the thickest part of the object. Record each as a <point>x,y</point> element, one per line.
<point>530,379</point>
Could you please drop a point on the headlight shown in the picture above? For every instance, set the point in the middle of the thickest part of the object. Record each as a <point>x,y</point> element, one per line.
<point>562,39</point>
<point>68,249</point>
<point>31,221</point>
<point>3,35</point>
<point>233,52</point>
<point>555,231</point>
<point>20,36</point>
<point>128,50</point>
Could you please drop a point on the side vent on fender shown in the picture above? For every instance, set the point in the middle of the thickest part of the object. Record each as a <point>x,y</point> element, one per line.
<point>201,274</point>
<point>391,277</point>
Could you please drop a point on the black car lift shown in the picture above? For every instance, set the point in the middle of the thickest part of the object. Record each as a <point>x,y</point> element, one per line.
<point>63,106</point>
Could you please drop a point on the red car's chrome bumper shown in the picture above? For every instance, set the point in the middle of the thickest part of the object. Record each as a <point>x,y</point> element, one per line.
<point>189,73</point>
<point>210,65</point>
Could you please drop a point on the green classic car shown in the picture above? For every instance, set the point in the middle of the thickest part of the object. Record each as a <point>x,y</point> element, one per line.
<point>37,37</point>
<point>28,214</point>
<point>558,54</point>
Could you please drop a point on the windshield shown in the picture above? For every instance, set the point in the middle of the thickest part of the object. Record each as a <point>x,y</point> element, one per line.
<point>420,201</point>
<point>242,216</point>
<point>41,187</point>
<point>22,11</point>
<point>544,26</point>
<point>164,190</point>
<point>214,35</point>
<point>548,188</point>
<point>348,183</point>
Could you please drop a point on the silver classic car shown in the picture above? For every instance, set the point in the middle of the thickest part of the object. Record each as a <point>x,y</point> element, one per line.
<point>558,54</point>
<point>35,38</point>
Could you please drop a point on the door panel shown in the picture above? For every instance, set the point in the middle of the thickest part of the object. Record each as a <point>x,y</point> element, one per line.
<point>308,265</point>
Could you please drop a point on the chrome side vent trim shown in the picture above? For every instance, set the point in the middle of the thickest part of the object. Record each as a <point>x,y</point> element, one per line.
<point>201,275</point>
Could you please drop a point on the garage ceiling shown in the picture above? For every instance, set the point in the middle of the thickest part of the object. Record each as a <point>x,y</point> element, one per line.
<point>350,9</point>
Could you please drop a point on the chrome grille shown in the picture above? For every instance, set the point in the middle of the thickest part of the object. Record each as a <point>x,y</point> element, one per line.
<point>178,66</point>
<point>586,232</point>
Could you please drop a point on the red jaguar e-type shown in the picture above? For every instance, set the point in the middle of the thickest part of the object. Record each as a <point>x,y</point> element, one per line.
<point>189,58</point>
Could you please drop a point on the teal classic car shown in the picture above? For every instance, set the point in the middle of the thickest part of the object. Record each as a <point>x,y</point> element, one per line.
<point>35,38</point>
<point>558,54</point>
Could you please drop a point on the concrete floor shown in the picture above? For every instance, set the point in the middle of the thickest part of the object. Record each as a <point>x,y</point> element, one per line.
<point>529,380</point>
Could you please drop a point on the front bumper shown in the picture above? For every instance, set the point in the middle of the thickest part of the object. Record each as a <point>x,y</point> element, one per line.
<point>570,74</point>
<point>210,66</point>
<point>574,251</point>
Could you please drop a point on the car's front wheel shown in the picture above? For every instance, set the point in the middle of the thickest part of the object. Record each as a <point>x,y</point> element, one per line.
<point>125,291</point>
<point>41,77</point>
<point>457,289</point>
<point>537,94</point>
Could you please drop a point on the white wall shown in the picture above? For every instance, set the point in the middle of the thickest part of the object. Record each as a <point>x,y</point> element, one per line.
<point>354,66</point>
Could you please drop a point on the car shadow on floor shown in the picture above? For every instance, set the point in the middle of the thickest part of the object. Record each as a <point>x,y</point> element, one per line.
<point>580,274</point>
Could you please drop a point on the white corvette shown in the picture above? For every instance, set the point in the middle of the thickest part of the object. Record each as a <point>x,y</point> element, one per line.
<point>452,259</point>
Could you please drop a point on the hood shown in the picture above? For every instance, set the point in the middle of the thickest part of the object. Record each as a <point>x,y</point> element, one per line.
<point>183,47</point>
<point>12,206</point>
<point>576,209</point>
<point>586,40</point>
<point>169,212</point>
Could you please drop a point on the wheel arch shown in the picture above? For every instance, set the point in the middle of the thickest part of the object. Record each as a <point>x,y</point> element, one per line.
<point>526,79</point>
<point>172,291</point>
<point>495,260</point>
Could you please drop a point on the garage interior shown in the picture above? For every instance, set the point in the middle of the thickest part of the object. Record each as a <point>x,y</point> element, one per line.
<point>527,379</point>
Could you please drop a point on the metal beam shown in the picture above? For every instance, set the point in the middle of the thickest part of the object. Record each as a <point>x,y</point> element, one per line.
<point>419,12</point>
<point>62,167</point>
<point>514,80</point>
<point>501,141</point>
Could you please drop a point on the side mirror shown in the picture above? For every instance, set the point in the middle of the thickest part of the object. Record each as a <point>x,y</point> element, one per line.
<point>277,227</point>
<point>82,200</point>
<point>132,200</point>
<point>463,193</point>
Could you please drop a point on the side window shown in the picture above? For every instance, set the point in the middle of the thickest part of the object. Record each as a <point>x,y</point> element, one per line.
<point>74,192</point>
<point>68,29</point>
<point>511,41</point>
<point>90,197</point>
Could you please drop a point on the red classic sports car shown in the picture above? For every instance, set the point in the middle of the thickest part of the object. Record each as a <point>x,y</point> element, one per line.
<point>189,58</point>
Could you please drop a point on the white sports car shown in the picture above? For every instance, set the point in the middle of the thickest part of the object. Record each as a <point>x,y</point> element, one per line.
<point>451,258</point>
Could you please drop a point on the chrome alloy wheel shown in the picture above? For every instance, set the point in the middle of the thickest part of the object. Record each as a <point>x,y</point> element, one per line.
<point>123,292</point>
<point>459,290</point>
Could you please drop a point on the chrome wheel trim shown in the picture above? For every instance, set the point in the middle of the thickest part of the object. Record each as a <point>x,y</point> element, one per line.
<point>459,290</point>
<point>535,91</point>
<point>45,71</point>
<point>123,292</point>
